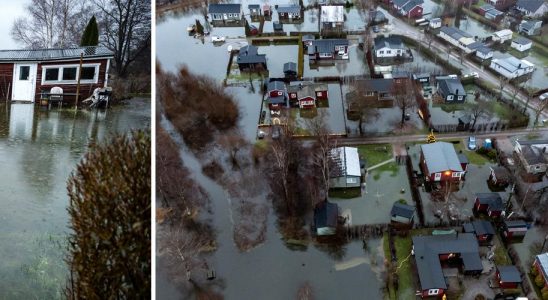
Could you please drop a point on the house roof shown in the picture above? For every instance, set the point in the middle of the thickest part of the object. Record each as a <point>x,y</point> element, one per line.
<point>494,12</point>
<point>484,50</point>
<point>275,85</point>
<point>54,54</point>
<point>532,155</point>
<point>501,173</point>
<point>542,260</point>
<point>475,45</point>
<point>290,67</point>
<point>308,37</point>
<point>294,9</point>
<point>509,274</point>
<point>326,214</point>
<point>248,55</point>
<point>254,6</point>
<point>409,5</point>
<point>451,86</point>
<point>502,33</point>
<point>522,41</point>
<point>332,13</point>
<point>479,227</point>
<point>512,64</point>
<point>441,156</point>
<point>402,210</point>
<point>378,16</point>
<point>530,5</point>
<point>528,25</point>
<point>428,248</point>
<point>277,25</point>
<point>306,89</point>
<point>400,3</point>
<point>462,158</point>
<point>487,7</point>
<point>392,42</point>
<point>376,84</point>
<point>224,8</point>
<point>514,223</point>
<point>492,199</point>
<point>455,33</point>
<point>347,161</point>
<point>327,45</point>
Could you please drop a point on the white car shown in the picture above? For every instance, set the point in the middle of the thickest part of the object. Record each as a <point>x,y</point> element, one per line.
<point>473,74</point>
<point>543,96</point>
<point>217,38</point>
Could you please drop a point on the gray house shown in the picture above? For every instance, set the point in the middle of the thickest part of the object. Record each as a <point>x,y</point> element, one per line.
<point>532,8</point>
<point>402,214</point>
<point>289,12</point>
<point>451,90</point>
<point>345,170</point>
<point>531,27</point>
<point>326,216</point>
<point>225,12</point>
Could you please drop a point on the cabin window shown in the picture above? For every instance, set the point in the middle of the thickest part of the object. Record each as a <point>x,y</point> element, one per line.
<point>319,94</point>
<point>88,73</point>
<point>433,292</point>
<point>459,98</point>
<point>456,174</point>
<point>68,74</point>
<point>279,93</point>
<point>450,98</point>
<point>52,74</point>
<point>24,72</point>
<point>381,52</point>
<point>352,180</point>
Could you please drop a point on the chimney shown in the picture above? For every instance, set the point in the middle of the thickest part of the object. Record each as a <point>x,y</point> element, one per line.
<point>519,66</point>
<point>456,91</point>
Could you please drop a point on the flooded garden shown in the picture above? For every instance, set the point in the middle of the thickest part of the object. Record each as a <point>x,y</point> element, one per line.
<point>38,151</point>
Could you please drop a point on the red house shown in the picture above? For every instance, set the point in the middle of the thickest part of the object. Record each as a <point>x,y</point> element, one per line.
<point>483,230</point>
<point>30,74</point>
<point>541,264</point>
<point>439,163</point>
<point>409,8</point>
<point>514,231</point>
<point>508,277</point>
<point>276,94</point>
<point>306,95</point>
<point>489,204</point>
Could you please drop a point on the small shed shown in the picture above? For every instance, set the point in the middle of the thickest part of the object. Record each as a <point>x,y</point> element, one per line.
<point>277,26</point>
<point>326,215</point>
<point>514,231</point>
<point>483,230</point>
<point>423,78</point>
<point>290,70</point>
<point>508,277</point>
<point>402,214</point>
<point>499,177</point>
<point>308,39</point>
<point>521,44</point>
<point>489,204</point>
<point>254,10</point>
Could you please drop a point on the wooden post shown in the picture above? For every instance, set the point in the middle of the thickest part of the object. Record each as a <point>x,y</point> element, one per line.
<point>78,81</point>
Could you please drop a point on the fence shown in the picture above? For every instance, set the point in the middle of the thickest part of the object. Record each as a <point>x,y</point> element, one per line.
<point>415,194</point>
<point>362,232</point>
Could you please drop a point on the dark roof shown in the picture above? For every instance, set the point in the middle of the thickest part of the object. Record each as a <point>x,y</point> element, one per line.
<point>392,42</point>
<point>484,49</point>
<point>326,214</point>
<point>254,6</point>
<point>375,85</point>
<point>308,37</point>
<point>296,9</point>
<point>428,248</point>
<point>54,54</point>
<point>451,86</point>
<point>522,41</point>
<point>529,24</point>
<point>290,67</point>
<point>501,173</point>
<point>224,8</point>
<point>530,5</point>
<point>275,85</point>
<point>493,200</point>
<point>277,25</point>
<point>509,274</point>
<point>454,32</point>
<point>514,223</point>
<point>400,74</point>
<point>409,5</point>
<point>532,155</point>
<point>402,210</point>
<point>462,158</point>
<point>327,45</point>
<point>378,16</point>
<point>248,55</point>
<point>480,227</point>
<point>441,156</point>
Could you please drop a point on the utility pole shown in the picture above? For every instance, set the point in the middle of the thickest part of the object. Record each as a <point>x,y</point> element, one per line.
<point>78,81</point>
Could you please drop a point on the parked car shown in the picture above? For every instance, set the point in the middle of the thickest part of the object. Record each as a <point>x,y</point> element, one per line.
<point>472,143</point>
<point>543,96</point>
<point>473,74</point>
<point>217,39</point>
<point>261,134</point>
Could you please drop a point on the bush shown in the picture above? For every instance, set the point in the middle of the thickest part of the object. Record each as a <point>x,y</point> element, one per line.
<point>109,248</point>
<point>492,154</point>
<point>534,270</point>
<point>539,280</point>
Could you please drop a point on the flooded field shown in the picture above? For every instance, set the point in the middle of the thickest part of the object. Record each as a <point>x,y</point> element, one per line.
<point>38,151</point>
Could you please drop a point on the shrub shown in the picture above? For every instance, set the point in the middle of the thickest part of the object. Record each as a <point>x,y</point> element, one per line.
<point>539,281</point>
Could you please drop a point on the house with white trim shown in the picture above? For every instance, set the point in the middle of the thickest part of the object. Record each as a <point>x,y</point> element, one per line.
<point>225,12</point>
<point>531,27</point>
<point>532,8</point>
<point>345,170</point>
<point>511,67</point>
<point>502,35</point>
<point>521,44</point>
<point>459,38</point>
<point>391,46</point>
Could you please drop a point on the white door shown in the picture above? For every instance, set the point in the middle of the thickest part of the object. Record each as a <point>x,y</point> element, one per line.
<point>24,82</point>
<point>437,177</point>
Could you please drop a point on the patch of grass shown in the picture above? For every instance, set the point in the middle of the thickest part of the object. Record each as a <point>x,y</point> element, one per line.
<point>501,255</point>
<point>449,108</point>
<point>535,287</point>
<point>473,157</point>
<point>375,153</point>
<point>348,193</point>
<point>405,275</point>
<point>391,167</point>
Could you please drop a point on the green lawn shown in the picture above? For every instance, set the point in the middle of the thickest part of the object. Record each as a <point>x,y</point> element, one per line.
<point>501,255</point>
<point>473,157</point>
<point>376,153</point>
<point>391,167</point>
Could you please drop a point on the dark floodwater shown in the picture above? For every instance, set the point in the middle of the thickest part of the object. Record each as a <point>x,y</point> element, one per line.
<point>38,151</point>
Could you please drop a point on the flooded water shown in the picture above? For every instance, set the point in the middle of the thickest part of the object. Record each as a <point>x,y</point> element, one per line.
<point>38,151</point>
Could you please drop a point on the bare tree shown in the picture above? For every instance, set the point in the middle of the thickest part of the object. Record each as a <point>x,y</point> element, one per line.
<point>503,82</point>
<point>233,144</point>
<point>404,97</point>
<point>362,104</point>
<point>283,157</point>
<point>127,30</point>
<point>538,111</point>
<point>478,110</point>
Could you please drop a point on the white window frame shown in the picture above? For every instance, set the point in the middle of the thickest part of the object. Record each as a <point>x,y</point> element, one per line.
<point>59,80</point>
<point>459,98</point>
<point>450,98</point>
<point>432,292</point>
<point>456,174</point>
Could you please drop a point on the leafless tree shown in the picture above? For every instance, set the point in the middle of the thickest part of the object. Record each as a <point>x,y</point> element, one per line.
<point>305,292</point>
<point>503,82</point>
<point>404,97</point>
<point>538,111</point>
<point>127,30</point>
<point>233,144</point>
<point>478,110</point>
<point>283,157</point>
<point>362,104</point>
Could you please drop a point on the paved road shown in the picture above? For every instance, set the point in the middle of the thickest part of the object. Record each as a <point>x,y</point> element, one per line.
<point>402,28</point>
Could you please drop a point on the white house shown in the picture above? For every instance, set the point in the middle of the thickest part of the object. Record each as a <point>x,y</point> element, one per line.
<point>521,44</point>
<point>346,170</point>
<point>511,67</point>
<point>435,23</point>
<point>531,27</point>
<point>484,52</point>
<point>502,35</point>
<point>390,46</point>
<point>225,12</point>
<point>458,38</point>
<point>532,8</point>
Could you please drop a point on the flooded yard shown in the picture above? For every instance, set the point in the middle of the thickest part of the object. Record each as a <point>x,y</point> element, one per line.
<point>38,151</point>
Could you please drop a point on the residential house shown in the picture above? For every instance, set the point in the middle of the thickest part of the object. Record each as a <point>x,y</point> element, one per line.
<point>532,156</point>
<point>431,252</point>
<point>331,18</point>
<point>521,44</point>
<point>402,215</point>
<point>458,38</point>
<point>451,90</point>
<point>508,277</point>
<point>290,70</point>
<point>484,52</point>
<point>328,49</point>
<point>307,94</point>
<point>435,23</point>
<point>489,204</point>
<point>499,177</point>
<point>532,8</point>
<point>485,8</point>
<point>378,18</point>
<point>377,90</point>
<point>439,162</point>
<point>276,94</point>
<point>423,78</point>
<point>254,10</point>
<point>346,169</point>
<point>541,265</point>
<point>502,36</point>
<point>502,5</point>
<point>225,12</point>
<point>514,231</point>
<point>28,74</point>
<point>289,12</point>
<point>494,14</point>
<point>532,27</point>
<point>389,47</point>
<point>409,8</point>
<point>307,40</point>
<point>511,67</point>
<point>249,60</point>
<point>483,230</point>
<point>326,218</point>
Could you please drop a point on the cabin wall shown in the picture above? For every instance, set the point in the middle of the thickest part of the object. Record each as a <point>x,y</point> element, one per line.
<point>6,79</point>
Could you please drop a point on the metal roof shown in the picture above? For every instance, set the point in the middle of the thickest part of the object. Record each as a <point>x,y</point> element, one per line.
<point>224,8</point>
<point>509,274</point>
<point>411,4</point>
<point>455,33</point>
<point>392,42</point>
<point>542,260</point>
<point>248,55</point>
<point>347,160</point>
<point>326,45</point>
<point>521,40</point>
<point>441,156</point>
<point>481,227</point>
<point>290,67</point>
<point>493,200</point>
<point>451,86</point>
<point>403,210</point>
<point>376,84</point>
<point>530,5</point>
<point>512,64</point>
<point>295,9</point>
<point>326,214</point>
<point>54,54</point>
